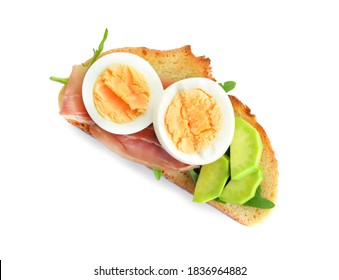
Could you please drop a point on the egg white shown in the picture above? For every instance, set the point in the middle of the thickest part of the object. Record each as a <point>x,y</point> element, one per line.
<point>152,78</point>
<point>224,138</point>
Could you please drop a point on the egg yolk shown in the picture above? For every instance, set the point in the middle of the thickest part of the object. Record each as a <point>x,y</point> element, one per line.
<point>121,93</point>
<point>193,120</point>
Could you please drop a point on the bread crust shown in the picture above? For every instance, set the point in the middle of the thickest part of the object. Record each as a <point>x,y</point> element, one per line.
<point>181,63</point>
<point>177,63</point>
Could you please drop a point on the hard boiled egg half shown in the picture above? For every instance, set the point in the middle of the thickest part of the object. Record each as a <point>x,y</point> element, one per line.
<point>194,121</point>
<point>119,92</point>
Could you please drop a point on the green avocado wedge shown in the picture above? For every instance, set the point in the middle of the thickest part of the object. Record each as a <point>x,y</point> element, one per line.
<point>245,150</point>
<point>211,180</point>
<point>241,191</point>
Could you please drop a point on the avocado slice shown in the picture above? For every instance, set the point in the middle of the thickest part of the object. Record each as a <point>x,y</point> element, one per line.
<point>212,179</point>
<point>245,150</point>
<point>241,191</point>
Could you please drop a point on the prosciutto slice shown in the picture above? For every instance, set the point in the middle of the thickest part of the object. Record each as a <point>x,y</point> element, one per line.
<point>142,147</point>
<point>72,107</point>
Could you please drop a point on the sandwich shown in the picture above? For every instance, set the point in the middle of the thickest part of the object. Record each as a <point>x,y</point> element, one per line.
<point>164,110</point>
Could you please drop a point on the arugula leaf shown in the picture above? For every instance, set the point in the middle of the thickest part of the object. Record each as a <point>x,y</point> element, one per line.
<point>219,200</point>
<point>94,58</point>
<point>259,202</point>
<point>194,176</point>
<point>59,80</point>
<point>157,173</point>
<point>228,86</point>
<point>100,48</point>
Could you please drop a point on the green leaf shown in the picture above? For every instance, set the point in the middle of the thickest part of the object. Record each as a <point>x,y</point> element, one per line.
<point>228,86</point>
<point>219,200</point>
<point>59,80</point>
<point>94,58</point>
<point>157,173</point>
<point>100,48</point>
<point>259,202</point>
<point>194,176</point>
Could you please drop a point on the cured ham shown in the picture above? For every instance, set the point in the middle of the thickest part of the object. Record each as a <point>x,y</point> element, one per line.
<point>72,107</point>
<point>142,147</point>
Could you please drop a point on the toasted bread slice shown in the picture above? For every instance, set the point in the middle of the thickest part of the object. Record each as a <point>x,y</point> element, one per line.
<point>178,64</point>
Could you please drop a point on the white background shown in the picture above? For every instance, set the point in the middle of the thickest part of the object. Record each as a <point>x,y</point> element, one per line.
<point>67,205</point>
